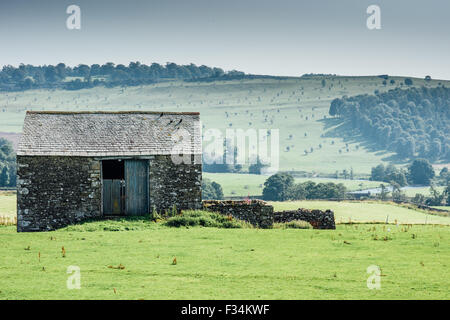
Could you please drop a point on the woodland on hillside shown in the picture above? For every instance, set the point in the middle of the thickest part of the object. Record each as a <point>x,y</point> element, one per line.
<point>413,122</point>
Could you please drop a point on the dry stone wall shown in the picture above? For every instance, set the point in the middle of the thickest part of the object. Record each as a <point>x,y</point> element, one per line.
<point>53,192</point>
<point>317,218</point>
<point>260,214</point>
<point>256,212</point>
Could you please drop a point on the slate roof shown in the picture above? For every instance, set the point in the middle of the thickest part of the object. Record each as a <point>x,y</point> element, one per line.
<point>109,133</point>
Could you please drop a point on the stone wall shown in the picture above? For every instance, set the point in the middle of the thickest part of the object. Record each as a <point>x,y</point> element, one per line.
<point>53,192</point>
<point>175,184</point>
<point>256,212</point>
<point>317,218</point>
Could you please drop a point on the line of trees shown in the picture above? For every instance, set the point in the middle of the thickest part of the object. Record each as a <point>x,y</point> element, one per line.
<point>83,76</point>
<point>436,198</point>
<point>281,187</point>
<point>7,164</point>
<point>419,172</point>
<point>413,122</point>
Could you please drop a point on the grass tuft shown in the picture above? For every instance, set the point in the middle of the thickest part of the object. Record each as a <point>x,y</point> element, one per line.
<point>295,224</point>
<point>192,218</point>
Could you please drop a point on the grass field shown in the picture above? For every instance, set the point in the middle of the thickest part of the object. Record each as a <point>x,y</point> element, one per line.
<point>425,191</point>
<point>356,211</point>
<point>226,263</point>
<point>295,106</point>
<point>443,207</point>
<point>7,204</point>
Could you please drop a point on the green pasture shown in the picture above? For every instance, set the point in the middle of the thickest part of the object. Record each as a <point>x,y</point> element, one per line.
<point>225,263</point>
<point>364,211</point>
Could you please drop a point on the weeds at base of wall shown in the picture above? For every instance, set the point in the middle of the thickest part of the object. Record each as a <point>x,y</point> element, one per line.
<point>192,218</point>
<point>295,224</point>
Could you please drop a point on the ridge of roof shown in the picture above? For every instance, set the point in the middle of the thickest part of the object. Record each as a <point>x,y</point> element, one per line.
<point>114,112</point>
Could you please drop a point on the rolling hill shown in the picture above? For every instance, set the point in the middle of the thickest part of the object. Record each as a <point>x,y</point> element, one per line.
<point>298,107</point>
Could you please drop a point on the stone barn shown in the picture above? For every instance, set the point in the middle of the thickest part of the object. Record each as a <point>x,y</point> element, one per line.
<point>74,166</point>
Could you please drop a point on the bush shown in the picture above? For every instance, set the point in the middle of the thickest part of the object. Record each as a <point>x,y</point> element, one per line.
<point>278,187</point>
<point>211,190</point>
<point>192,218</point>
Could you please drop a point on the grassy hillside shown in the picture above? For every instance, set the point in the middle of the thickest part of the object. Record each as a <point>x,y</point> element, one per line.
<point>295,106</point>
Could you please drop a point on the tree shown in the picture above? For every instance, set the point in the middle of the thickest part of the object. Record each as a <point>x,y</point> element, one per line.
<point>378,173</point>
<point>397,194</point>
<point>4,177</point>
<point>345,174</point>
<point>421,172</point>
<point>408,82</point>
<point>51,74</point>
<point>384,192</point>
<point>447,192</point>
<point>334,107</point>
<point>418,199</point>
<point>12,175</point>
<point>218,190</point>
<point>211,190</point>
<point>436,198</point>
<point>278,187</point>
<point>6,148</point>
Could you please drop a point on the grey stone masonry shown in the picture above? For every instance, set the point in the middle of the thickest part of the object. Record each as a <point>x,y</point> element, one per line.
<point>317,218</point>
<point>175,184</point>
<point>53,192</point>
<point>256,212</point>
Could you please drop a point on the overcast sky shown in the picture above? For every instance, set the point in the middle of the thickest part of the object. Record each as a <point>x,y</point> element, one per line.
<point>282,37</point>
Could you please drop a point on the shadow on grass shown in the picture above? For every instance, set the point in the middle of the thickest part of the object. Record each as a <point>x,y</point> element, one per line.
<point>339,128</point>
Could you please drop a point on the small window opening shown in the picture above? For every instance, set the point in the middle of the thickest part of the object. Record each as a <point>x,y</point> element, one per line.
<point>113,170</point>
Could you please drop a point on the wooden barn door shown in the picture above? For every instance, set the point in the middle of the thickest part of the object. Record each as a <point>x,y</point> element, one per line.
<point>112,197</point>
<point>136,187</point>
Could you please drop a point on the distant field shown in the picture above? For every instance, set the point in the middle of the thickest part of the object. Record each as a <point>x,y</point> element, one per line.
<point>425,191</point>
<point>7,204</point>
<point>242,185</point>
<point>346,211</point>
<point>225,263</point>
<point>298,107</point>
<point>442,207</point>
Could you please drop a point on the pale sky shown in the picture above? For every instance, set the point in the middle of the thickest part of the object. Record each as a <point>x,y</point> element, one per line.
<point>282,37</point>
